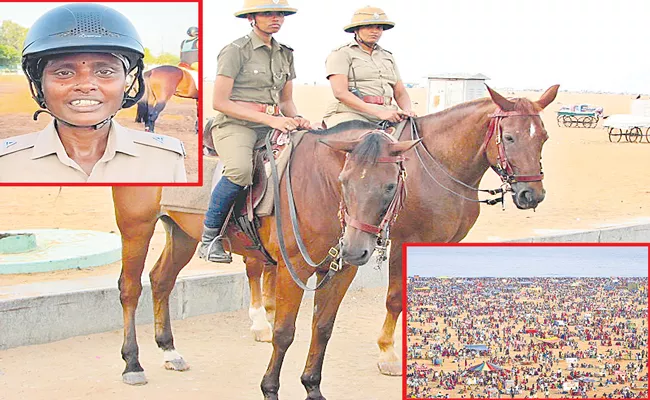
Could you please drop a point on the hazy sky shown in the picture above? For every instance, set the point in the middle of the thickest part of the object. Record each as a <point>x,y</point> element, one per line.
<point>162,26</point>
<point>527,261</point>
<point>596,45</point>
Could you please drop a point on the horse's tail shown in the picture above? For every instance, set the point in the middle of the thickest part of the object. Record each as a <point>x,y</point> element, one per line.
<point>142,114</point>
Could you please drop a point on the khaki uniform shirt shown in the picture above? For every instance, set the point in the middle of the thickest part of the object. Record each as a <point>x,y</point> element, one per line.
<point>375,74</point>
<point>130,156</point>
<point>259,72</point>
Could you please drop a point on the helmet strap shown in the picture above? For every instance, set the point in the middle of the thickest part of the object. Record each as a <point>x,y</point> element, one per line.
<point>97,126</point>
<point>361,41</point>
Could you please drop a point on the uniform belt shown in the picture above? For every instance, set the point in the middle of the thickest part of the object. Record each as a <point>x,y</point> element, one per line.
<point>381,100</point>
<point>271,109</point>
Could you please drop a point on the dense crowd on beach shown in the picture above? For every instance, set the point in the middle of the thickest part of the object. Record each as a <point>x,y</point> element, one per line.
<point>527,338</point>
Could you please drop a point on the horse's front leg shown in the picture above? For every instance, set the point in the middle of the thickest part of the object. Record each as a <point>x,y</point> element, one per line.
<point>389,362</point>
<point>288,298</point>
<point>136,211</point>
<point>261,328</point>
<point>178,251</point>
<point>326,304</point>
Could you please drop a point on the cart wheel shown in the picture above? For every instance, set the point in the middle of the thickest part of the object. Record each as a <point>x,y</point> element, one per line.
<point>559,119</point>
<point>636,134</point>
<point>566,121</point>
<point>613,136</point>
<point>647,135</point>
<point>588,122</point>
<point>595,121</point>
<point>573,122</point>
<point>582,122</point>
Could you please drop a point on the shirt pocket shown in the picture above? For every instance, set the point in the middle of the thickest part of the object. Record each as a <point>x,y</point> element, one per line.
<point>388,69</point>
<point>253,75</point>
<point>281,75</point>
<point>363,70</point>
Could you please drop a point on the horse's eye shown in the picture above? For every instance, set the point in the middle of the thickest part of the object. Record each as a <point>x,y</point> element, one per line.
<point>509,138</point>
<point>390,188</point>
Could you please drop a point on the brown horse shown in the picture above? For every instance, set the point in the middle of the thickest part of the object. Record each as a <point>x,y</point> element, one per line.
<point>453,156</point>
<point>161,84</point>
<point>370,182</point>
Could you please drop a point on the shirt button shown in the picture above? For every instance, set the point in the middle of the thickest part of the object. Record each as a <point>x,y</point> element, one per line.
<point>255,71</point>
<point>273,87</point>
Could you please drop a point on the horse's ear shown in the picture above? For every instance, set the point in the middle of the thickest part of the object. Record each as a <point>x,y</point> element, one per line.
<point>548,96</point>
<point>398,148</point>
<point>502,102</point>
<point>340,145</point>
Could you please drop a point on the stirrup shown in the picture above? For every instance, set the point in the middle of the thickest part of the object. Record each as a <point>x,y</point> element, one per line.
<point>213,241</point>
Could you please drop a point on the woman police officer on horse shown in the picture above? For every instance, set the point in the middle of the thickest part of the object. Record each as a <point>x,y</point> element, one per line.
<point>77,58</point>
<point>364,76</point>
<point>252,94</point>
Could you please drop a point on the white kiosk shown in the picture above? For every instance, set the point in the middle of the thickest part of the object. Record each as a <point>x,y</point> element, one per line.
<point>446,90</point>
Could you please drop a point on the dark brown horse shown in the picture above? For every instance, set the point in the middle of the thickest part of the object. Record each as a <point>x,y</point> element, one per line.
<point>455,153</point>
<point>161,84</point>
<point>369,182</point>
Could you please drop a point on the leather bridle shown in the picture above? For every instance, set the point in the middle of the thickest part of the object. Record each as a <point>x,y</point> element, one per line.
<point>396,204</point>
<point>503,167</point>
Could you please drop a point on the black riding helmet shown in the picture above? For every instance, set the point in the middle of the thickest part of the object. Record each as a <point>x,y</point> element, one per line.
<point>82,28</point>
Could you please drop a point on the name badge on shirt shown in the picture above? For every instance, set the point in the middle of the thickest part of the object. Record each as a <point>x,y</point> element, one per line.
<point>9,143</point>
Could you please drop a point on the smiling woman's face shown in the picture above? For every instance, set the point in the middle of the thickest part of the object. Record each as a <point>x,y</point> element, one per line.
<point>84,89</point>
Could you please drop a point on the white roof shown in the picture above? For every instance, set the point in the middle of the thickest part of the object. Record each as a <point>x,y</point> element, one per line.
<point>626,121</point>
<point>460,75</point>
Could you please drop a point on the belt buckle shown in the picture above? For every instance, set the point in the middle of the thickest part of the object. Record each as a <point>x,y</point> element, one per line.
<point>270,109</point>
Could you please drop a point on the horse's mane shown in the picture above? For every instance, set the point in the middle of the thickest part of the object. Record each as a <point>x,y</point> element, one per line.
<point>345,126</point>
<point>369,150</point>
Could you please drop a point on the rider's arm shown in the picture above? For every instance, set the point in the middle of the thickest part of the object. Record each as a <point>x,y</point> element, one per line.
<point>221,102</point>
<point>402,96</point>
<point>287,106</point>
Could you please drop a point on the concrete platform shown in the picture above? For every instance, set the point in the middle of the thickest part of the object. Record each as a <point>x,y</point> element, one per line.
<point>57,249</point>
<point>50,311</point>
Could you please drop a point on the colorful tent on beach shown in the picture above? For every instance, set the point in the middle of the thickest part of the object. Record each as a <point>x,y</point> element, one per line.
<point>484,366</point>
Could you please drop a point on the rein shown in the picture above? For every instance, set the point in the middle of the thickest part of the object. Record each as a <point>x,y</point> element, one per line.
<point>503,168</point>
<point>336,263</point>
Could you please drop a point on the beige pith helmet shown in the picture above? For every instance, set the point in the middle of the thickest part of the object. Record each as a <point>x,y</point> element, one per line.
<point>255,6</point>
<point>369,16</point>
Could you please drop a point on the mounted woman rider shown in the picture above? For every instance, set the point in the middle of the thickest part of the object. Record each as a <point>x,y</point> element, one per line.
<point>252,94</point>
<point>364,76</point>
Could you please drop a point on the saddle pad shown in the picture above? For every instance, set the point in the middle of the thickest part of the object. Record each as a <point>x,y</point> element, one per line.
<point>195,200</point>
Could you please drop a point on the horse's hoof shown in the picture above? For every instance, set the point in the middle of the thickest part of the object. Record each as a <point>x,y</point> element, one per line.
<point>178,364</point>
<point>263,335</point>
<point>134,378</point>
<point>390,368</point>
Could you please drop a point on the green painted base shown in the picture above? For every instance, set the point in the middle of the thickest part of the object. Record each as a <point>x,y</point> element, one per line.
<point>57,249</point>
<point>17,242</point>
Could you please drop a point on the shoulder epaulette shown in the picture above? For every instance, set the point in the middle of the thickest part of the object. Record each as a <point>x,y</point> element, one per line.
<point>241,41</point>
<point>286,47</point>
<point>159,141</point>
<point>17,143</point>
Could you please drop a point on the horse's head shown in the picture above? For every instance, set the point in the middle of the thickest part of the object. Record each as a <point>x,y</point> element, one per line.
<point>372,182</point>
<point>516,154</point>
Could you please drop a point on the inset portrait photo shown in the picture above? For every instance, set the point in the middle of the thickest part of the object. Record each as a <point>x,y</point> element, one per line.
<point>99,93</point>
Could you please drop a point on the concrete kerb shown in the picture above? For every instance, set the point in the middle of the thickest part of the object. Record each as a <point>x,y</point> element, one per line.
<point>45,312</point>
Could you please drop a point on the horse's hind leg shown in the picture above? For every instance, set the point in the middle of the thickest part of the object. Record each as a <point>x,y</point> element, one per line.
<point>178,251</point>
<point>154,112</point>
<point>288,298</point>
<point>260,327</point>
<point>136,210</point>
<point>389,362</point>
<point>326,304</point>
